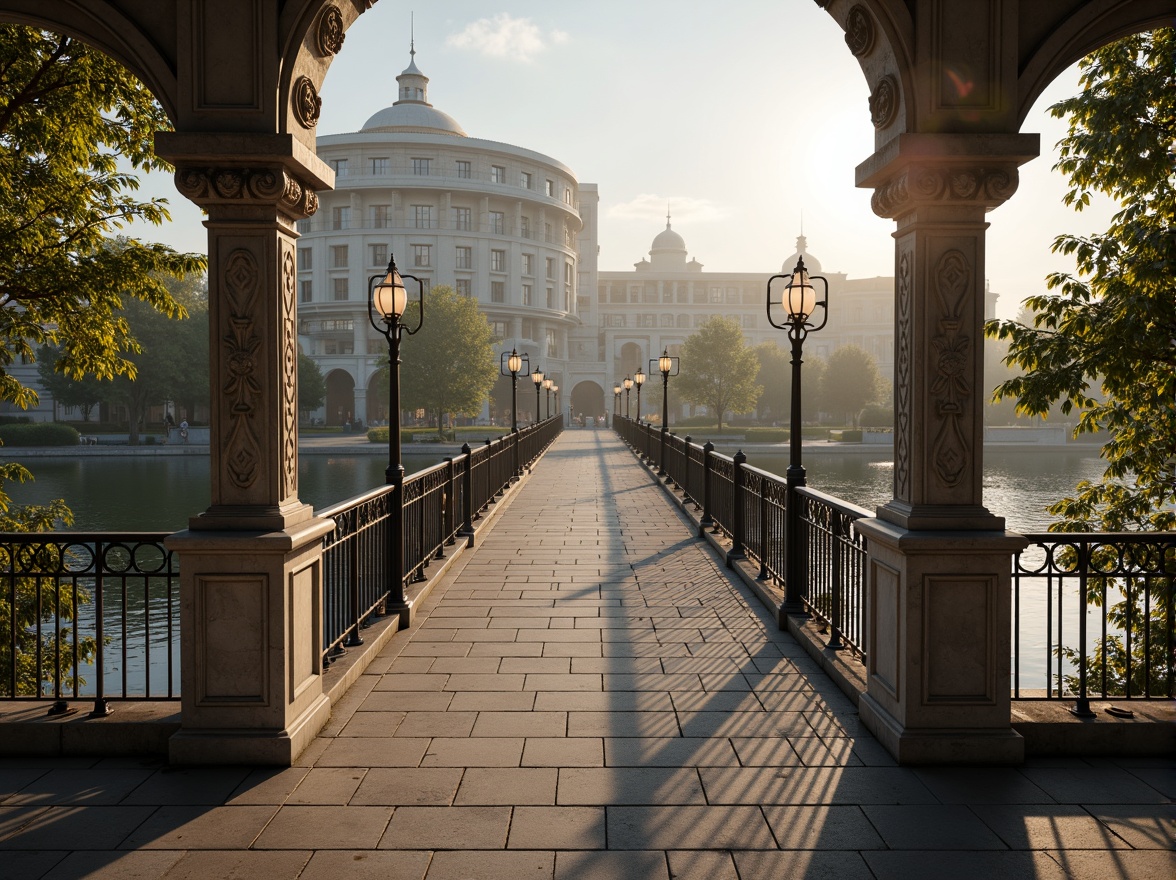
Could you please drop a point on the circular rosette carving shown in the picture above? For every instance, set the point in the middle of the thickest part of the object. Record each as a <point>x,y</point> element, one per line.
<point>192,182</point>
<point>307,103</point>
<point>859,31</point>
<point>330,36</point>
<point>884,102</point>
<point>267,185</point>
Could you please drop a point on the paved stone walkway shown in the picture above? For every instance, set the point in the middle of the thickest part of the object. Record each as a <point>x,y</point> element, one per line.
<point>589,695</point>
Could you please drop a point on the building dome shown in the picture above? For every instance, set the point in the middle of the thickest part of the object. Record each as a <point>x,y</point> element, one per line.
<point>811,263</point>
<point>413,112</point>
<point>668,240</point>
<point>668,250</point>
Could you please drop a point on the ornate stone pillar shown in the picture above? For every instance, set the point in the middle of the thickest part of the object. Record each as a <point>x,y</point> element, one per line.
<point>938,607</point>
<point>250,565</point>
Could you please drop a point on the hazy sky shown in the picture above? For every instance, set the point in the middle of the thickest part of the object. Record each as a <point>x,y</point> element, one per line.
<point>742,116</point>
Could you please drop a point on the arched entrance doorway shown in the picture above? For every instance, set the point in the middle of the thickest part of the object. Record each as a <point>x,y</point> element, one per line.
<point>588,400</point>
<point>340,397</point>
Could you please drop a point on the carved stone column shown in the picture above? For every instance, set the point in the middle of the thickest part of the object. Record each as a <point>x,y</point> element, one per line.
<point>250,565</point>
<point>938,608</point>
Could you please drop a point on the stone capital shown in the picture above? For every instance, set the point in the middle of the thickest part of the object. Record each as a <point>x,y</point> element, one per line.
<point>913,171</point>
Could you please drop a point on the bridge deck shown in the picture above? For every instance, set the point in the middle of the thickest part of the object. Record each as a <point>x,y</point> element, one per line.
<point>587,695</point>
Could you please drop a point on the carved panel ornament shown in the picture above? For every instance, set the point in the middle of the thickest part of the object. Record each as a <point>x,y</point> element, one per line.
<point>902,390</point>
<point>859,31</point>
<point>260,186</point>
<point>242,389</point>
<point>951,451</point>
<point>330,35</point>
<point>922,183</point>
<point>306,101</point>
<point>290,380</point>
<point>884,102</point>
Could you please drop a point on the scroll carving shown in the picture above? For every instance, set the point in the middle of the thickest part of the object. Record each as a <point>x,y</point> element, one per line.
<point>330,35</point>
<point>950,452</point>
<point>290,384</point>
<point>902,385</point>
<point>306,101</point>
<point>259,186</point>
<point>989,186</point>
<point>859,31</point>
<point>242,389</point>
<point>884,102</point>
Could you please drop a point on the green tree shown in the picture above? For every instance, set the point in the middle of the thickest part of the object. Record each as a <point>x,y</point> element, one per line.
<point>718,369</point>
<point>83,392</point>
<point>775,371</point>
<point>1101,339</point>
<point>850,381</point>
<point>448,367</point>
<point>312,386</point>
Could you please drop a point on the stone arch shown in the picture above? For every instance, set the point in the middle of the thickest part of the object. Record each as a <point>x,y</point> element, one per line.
<point>588,398</point>
<point>340,397</point>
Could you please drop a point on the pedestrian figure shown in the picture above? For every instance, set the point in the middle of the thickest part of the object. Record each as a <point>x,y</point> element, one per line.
<point>184,431</point>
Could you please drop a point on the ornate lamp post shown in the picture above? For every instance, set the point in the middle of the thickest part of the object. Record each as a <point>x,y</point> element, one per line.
<point>537,378</point>
<point>799,301</point>
<point>639,380</point>
<point>511,365</point>
<point>555,394</point>
<point>616,400</point>
<point>547,383</point>
<point>665,364</point>
<point>628,383</point>
<point>387,301</point>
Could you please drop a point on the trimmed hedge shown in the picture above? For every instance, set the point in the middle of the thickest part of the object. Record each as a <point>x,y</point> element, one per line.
<point>39,434</point>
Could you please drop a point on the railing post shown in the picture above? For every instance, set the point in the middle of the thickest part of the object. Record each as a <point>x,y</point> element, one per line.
<point>467,499</point>
<point>836,531</point>
<point>763,530</point>
<point>447,505</point>
<point>101,706</point>
<point>707,519</point>
<point>1082,704</point>
<point>737,517</point>
<point>661,461</point>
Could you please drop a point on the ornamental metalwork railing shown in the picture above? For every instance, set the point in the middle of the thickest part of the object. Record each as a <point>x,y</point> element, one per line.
<point>88,616</point>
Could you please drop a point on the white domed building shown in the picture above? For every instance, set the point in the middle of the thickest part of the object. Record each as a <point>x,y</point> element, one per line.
<point>496,222</point>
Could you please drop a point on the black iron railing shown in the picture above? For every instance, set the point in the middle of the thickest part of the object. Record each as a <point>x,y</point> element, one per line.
<point>88,616</point>
<point>441,503</point>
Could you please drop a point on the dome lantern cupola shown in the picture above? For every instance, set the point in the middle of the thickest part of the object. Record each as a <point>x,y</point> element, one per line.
<point>413,112</point>
<point>669,249</point>
<point>811,263</point>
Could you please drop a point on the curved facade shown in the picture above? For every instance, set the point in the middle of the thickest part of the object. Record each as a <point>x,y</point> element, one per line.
<point>496,222</point>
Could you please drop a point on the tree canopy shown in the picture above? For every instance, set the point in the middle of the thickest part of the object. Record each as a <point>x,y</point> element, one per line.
<point>449,366</point>
<point>718,369</point>
<point>850,381</point>
<point>1101,339</point>
<point>312,385</point>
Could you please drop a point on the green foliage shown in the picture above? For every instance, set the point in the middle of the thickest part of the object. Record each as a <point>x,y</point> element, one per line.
<point>851,380</point>
<point>1101,340</point>
<point>718,370</point>
<point>83,392</point>
<point>38,434</point>
<point>776,372</point>
<point>449,366</point>
<point>876,416</point>
<point>766,435</point>
<point>312,386</point>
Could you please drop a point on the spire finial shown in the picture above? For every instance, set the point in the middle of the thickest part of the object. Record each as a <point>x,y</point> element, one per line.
<point>412,35</point>
<point>667,215</point>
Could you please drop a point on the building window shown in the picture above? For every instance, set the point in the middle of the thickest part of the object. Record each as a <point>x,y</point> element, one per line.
<point>462,219</point>
<point>465,257</point>
<point>305,291</point>
<point>569,274</point>
<point>422,216</point>
<point>528,264</point>
<point>547,232</point>
<point>497,291</point>
<point>338,256</point>
<point>528,329</point>
<point>528,296</point>
<point>379,254</point>
<point>463,286</point>
<point>568,195</point>
<point>422,255</point>
<point>552,345</point>
<point>340,288</point>
<point>497,222</point>
<point>497,174</point>
<point>549,188</point>
<point>551,297</point>
<point>379,166</point>
<point>305,259</point>
<point>583,304</point>
<point>550,269</point>
<point>381,216</point>
<point>420,167</point>
<point>498,329</point>
<point>341,218</point>
<point>525,180</point>
<point>463,168</point>
<point>668,293</point>
<point>339,166</point>
<point>525,223</point>
<point>497,261</point>
<point>716,294</point>
<point>614,320</point>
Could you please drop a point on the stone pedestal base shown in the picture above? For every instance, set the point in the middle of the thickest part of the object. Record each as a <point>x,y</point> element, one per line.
<point>251,618</point>
<point>937,640</point>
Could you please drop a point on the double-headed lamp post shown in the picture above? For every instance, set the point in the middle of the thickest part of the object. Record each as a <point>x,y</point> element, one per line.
<point>628,383</point>
<point>547,383</point>
<point>799,301</point>
<point>537,378</point>
<point>387,302</point>
<point>667,366</point>
<point>639,380</point>
<point>511,365</point>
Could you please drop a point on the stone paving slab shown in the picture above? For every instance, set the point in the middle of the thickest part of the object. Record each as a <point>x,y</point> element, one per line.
<point>588,695</point>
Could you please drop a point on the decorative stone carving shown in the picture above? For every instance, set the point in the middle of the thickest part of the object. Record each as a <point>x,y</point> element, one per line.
<point>330,35</point>
<point>242,390</point>
<point>943,183</point>
<point>884,102</point>
<point>262,186</point>
<point>306,101</point>
<point>290,386</point>
<point>902,385</point>
<point>859,31</point>
<point>951,451</point>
